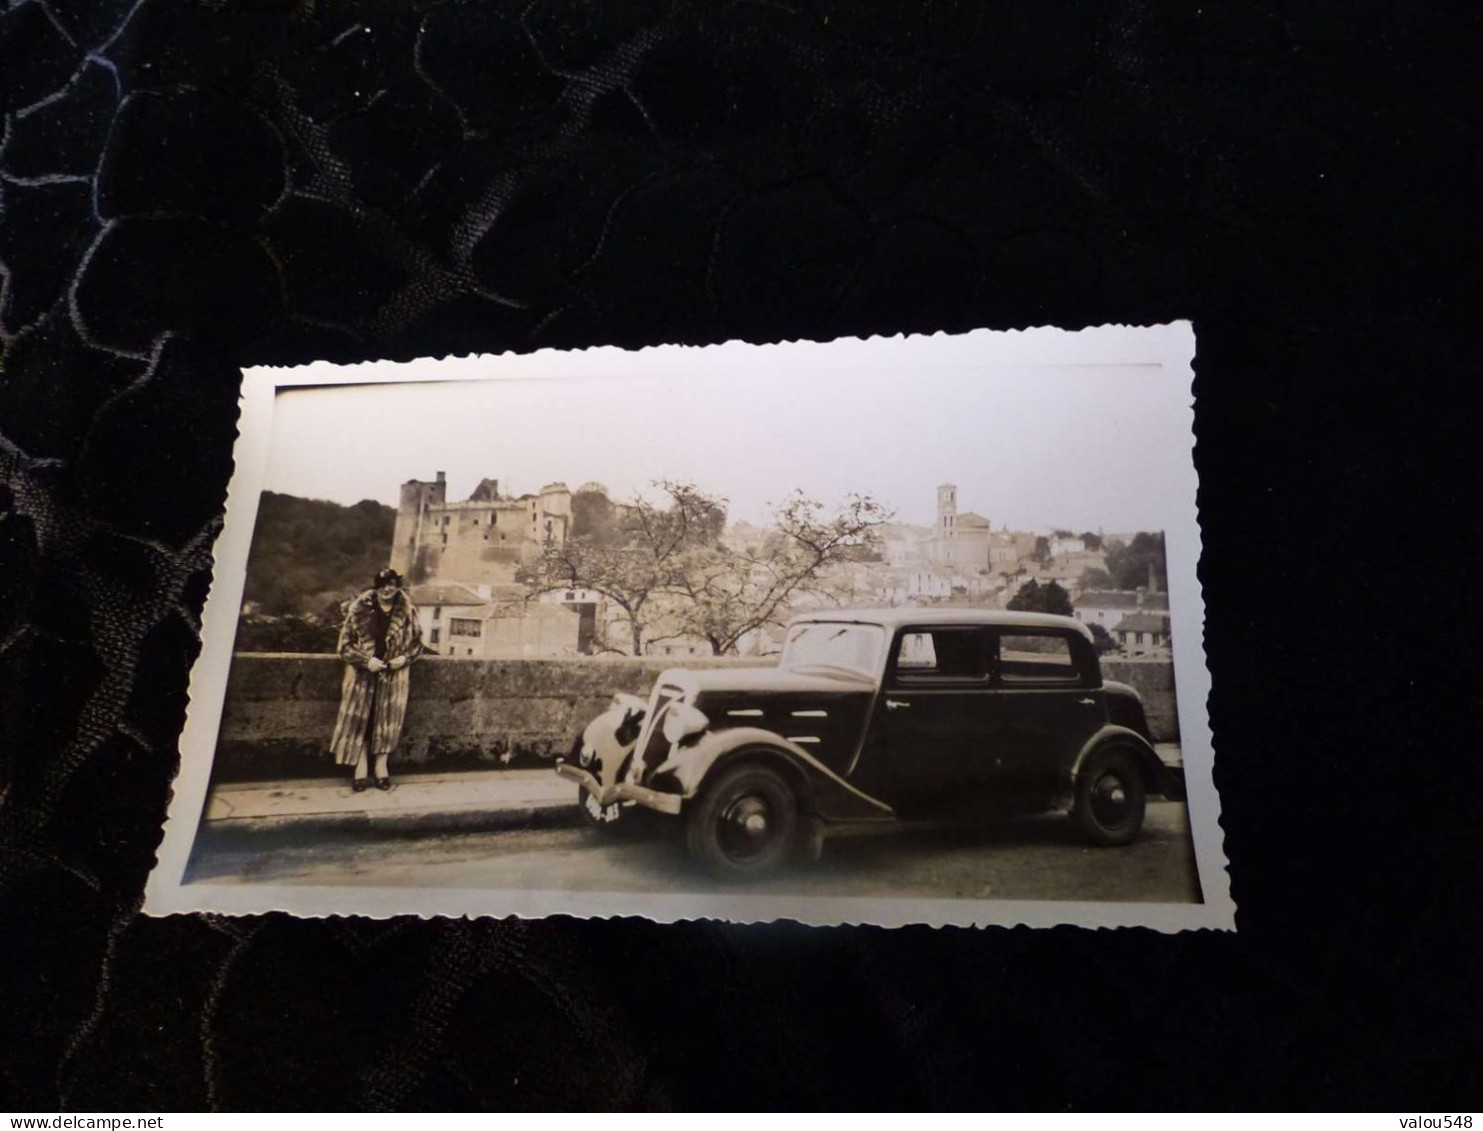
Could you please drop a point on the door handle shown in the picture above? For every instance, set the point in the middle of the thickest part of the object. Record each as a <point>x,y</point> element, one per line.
<point>895,704</point>
<point>1087,702</point>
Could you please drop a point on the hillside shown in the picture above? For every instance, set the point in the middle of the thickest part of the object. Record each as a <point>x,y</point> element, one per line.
<point>307,553</point>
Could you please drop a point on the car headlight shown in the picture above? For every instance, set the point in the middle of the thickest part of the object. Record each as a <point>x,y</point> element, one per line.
<point>683,720</point>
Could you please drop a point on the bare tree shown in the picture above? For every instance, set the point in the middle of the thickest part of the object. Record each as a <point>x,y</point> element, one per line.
<point>667,569</point>
<point>633,559</point>
<point>728,592</point>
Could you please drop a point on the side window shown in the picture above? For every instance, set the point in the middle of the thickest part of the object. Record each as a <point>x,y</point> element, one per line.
<point>930,655</point>
<point>1031,658</point>
<point>916,654</point>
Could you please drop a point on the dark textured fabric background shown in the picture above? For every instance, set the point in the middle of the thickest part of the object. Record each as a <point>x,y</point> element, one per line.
<point>186,188</point>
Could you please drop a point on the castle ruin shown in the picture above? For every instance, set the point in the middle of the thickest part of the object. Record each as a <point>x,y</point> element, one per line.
<point>482,540</point>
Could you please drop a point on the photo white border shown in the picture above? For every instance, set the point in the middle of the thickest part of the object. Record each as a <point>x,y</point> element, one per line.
<point>1169,346</point>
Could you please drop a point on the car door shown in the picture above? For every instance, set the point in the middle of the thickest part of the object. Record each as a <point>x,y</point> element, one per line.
<point>1046,701</point>
<point>933,700</point>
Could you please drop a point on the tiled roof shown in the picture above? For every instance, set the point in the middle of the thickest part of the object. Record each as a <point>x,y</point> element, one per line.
<point>530,610</point>
<point>1143,622</point>
<point>1108,599</point>
<point>444,594</point>
<point>1123,599</point>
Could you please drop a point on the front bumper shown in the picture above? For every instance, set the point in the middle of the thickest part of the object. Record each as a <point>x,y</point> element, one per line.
<point>588,781</point>
<point>650,798</point>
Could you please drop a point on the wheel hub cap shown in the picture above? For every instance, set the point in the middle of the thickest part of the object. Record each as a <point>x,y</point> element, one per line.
<point>1110,800</point>
<point>746,825</point>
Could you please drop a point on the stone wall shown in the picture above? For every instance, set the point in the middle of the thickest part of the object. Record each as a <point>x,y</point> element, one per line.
<point>280,709</point>
<point>462,713</point>
<point>1154,680</point>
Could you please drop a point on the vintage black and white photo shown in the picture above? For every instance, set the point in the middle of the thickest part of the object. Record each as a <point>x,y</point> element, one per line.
<point>888,631</point>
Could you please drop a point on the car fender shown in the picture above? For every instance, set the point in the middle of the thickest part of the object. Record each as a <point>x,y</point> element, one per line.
<point>824,792</point>
<point>1156,776</point>
<point>606,743</point>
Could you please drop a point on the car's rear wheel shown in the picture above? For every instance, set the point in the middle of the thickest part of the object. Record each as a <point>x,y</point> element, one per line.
<point>744,824</point>
<point>1110,798</point>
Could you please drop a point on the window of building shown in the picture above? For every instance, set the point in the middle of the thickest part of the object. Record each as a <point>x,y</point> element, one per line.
<point>445,520</point>
<point>437,612</point>
<point>493,518</point>
<point>476,520</point>
<point>434,637</point>
<point>1033,657</point>
<point>463,626</point>
<point>445,539</point>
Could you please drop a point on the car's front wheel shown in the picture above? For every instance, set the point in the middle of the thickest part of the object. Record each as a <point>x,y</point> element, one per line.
<point>744,823</point>
<point>1110,798</point>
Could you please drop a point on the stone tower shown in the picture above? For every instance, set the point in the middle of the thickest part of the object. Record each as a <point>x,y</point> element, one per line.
<point>417,496</point>
<point>556,513</point>
<point>947,510</point>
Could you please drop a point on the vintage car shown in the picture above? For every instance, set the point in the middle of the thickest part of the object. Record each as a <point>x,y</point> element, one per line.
<point>882,714</point>
<point>598,756</point>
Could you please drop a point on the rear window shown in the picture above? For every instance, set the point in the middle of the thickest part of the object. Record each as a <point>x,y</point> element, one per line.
<point>1035,658</point>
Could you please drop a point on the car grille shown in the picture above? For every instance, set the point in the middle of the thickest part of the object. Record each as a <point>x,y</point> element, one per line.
<point>652,748</point>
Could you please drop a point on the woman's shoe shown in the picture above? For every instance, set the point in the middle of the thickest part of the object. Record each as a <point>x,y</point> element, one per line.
<point>383,784</point>
<point>358,785</point>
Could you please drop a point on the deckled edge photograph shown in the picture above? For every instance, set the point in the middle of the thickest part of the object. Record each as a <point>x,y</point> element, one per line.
<point>851,632</point>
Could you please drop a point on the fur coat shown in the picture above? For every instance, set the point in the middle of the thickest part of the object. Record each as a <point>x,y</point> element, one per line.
<point>365,692</point>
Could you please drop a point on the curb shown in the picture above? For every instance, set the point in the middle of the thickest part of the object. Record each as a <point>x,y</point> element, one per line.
<point>407,822</point>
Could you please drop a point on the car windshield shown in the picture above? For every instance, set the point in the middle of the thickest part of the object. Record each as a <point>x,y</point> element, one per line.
<point>825,644</point>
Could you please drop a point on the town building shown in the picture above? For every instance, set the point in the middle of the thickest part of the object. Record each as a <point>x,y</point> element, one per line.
<point>928,584</point>
<point>906,545</point>
<point>437,604</point>
<point>1106,607</point>
<point>1143,633</point>
<point>961,540</point>
<point>509,629</point>
<point>484,539</point>
<point>1060,545</point>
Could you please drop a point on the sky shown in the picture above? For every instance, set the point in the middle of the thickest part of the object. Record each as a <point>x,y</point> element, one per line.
<point>1079,432</point>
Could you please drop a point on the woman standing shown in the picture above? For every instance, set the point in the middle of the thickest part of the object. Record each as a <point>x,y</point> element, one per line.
<point>378,642</point>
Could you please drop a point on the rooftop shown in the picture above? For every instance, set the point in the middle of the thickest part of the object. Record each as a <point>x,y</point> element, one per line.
<point>445,594</point>
<point>1122,599</point>
<point>1143,622</point>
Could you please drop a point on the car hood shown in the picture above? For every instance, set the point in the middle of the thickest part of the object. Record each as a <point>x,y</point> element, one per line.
<point>767,680</point>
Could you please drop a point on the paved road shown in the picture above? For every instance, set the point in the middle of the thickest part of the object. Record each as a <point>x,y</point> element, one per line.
<point>1033,858</point>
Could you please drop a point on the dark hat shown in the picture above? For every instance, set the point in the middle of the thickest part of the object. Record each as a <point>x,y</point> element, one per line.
<point>385,576</point>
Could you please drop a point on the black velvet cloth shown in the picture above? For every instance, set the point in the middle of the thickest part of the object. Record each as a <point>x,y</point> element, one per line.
<point>187,188</point>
